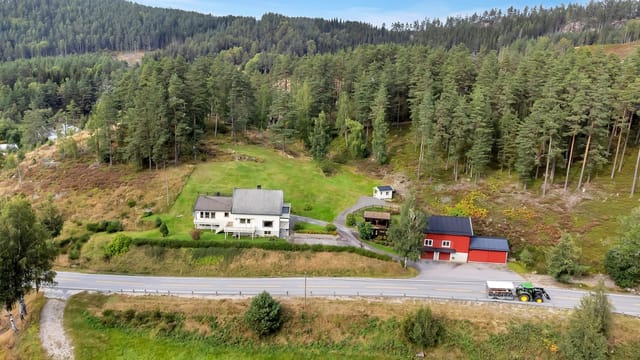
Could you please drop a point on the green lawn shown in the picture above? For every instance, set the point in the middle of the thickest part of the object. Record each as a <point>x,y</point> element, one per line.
<point>308,190</point>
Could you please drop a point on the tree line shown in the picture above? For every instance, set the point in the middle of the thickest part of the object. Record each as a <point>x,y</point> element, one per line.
<point>550,112</point>
<point>33,28</point>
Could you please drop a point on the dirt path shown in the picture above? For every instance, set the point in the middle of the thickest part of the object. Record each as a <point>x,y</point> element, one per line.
<point>54,341</point>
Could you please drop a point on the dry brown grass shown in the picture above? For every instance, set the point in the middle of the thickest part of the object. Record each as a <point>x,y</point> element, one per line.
<point>87,191</point>
<point>10,342</point>
<point>248,262</point>
<point>327,318</point>
<point>131,58</point>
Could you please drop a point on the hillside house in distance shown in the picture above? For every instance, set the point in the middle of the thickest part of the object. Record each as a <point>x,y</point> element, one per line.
<point>248,212</point>
<point>451,238</point>
<point>383,192</point>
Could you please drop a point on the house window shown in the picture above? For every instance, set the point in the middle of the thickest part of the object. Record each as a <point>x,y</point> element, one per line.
<point>268,232</point>
<point>446,243</point>
<point>206,215</point>
<point>201,215</point>
<point>245,221</point>
<point>428,242</point>
<point>226,214</point>
<point>267,224</point>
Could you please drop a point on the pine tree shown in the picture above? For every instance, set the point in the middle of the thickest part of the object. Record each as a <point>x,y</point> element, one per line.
<point>380,126</point>
<point>319,138</point>
<point>480,152</point>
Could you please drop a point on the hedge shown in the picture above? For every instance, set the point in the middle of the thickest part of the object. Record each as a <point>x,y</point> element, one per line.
<point>279,246</point>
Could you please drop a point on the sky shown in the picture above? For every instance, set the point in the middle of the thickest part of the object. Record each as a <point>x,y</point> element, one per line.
<point>374,12</point>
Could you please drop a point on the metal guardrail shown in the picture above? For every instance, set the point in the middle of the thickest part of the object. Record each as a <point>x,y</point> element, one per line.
<point>296,294</point>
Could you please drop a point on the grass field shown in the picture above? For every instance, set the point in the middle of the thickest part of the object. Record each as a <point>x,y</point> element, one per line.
<point>161,327</point>
<point>309,191</point>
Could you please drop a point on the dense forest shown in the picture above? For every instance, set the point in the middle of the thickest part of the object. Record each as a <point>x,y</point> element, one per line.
<point>31,28</point>
<point>538,107</point>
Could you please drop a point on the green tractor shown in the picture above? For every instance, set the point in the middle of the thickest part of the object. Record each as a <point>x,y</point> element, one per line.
<point>526,292</point>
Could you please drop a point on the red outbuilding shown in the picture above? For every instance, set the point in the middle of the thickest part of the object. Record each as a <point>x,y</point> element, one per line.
<point>451,238</point>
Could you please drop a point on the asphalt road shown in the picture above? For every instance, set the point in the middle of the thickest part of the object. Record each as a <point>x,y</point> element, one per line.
<point>472,290</point>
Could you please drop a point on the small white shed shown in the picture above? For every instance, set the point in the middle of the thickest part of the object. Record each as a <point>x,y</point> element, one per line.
<point>383,192</point>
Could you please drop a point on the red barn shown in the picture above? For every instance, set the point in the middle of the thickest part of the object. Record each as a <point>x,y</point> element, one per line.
<point>451,238</point>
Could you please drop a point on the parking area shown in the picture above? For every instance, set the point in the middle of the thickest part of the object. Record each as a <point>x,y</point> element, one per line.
<point>312,239</point>
<point>434,270</point>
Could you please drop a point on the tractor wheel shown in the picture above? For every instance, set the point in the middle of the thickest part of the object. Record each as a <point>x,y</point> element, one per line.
<point>539,300</point>
<point>524,297</point>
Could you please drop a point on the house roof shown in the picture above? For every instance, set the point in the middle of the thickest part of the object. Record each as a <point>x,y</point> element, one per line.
<point>377,215</point>
<point>488,243</point>
<point>212,203</point>
<point>449,225</point>
<point>384,188</point>
<point>257,202</point>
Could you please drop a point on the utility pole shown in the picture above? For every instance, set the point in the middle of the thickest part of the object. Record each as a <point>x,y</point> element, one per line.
<point>305,291</point>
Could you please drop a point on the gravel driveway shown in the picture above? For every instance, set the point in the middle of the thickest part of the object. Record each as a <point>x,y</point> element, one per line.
<point>52,336</point>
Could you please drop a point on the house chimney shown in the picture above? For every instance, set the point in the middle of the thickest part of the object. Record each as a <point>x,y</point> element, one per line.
<point>259,186</point>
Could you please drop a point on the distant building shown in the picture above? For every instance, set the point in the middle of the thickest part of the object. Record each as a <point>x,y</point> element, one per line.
<point>7,148</point>
<point>64,131</point>
<point>249,212</point>
<point>383,192</point>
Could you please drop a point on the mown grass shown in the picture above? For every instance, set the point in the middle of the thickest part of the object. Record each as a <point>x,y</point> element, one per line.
<point>160,327</point>
<point>309,191</point>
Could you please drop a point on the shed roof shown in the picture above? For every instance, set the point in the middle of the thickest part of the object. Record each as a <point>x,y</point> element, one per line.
<point>212,203</point>
<point>257,202</point>
<point>449,225</point>
<point>489,243</point>
<point>377,215</point>
<point>384,188</point>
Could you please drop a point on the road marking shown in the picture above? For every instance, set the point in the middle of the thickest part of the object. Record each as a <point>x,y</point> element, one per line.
<point>392,287</point>
<point>256,286</point>
<point>326,287</point>
<point>456,290</point>
<point>130,283</point>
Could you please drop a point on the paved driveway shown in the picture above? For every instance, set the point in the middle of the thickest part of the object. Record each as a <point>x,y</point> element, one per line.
<point>435,270</point>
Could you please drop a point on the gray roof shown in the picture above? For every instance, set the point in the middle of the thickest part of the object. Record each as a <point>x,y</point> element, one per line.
<point>212,203</point>
<point>449,225</point>
<point>488,243</point>
<point>257,202</point>
<point>384,188</point>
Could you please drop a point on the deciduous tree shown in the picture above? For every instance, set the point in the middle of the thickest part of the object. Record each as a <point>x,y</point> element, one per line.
<point>27,255</point>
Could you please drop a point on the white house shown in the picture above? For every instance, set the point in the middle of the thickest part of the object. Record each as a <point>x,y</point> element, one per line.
<point>252,212</point>
<point>383,192</point>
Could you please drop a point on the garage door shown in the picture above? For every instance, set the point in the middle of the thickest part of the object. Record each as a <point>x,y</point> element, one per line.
<point>426,255</point>
<point>444,256</point>
<point>488,256</point>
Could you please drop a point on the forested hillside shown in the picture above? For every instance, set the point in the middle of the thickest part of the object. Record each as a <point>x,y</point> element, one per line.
<point>30,28</point>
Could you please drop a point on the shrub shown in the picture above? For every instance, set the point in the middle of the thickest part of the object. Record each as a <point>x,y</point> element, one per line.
<point>195,234</point>
<point>157,221</point>
<point>113,226</point>
<point>118,245</point>
<point>365,230</point>
<point>330,227</point>
<point>264,315</point>
<point>328,168</point>
<point>351,220</point>
<point>297,226</point>
<point>74,254</point>
<point>164,230</point>
<point>421,328</point>
<point>562,259</point>
<point>131,203</point>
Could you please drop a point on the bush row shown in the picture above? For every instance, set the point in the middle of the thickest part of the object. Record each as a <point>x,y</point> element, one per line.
<point>276,245</point>
<point>104,225</point>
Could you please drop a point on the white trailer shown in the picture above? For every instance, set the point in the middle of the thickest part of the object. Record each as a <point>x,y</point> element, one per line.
<point>504,290</point>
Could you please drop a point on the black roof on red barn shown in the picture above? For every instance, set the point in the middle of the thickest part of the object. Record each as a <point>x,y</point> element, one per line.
<point>449,225</point>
